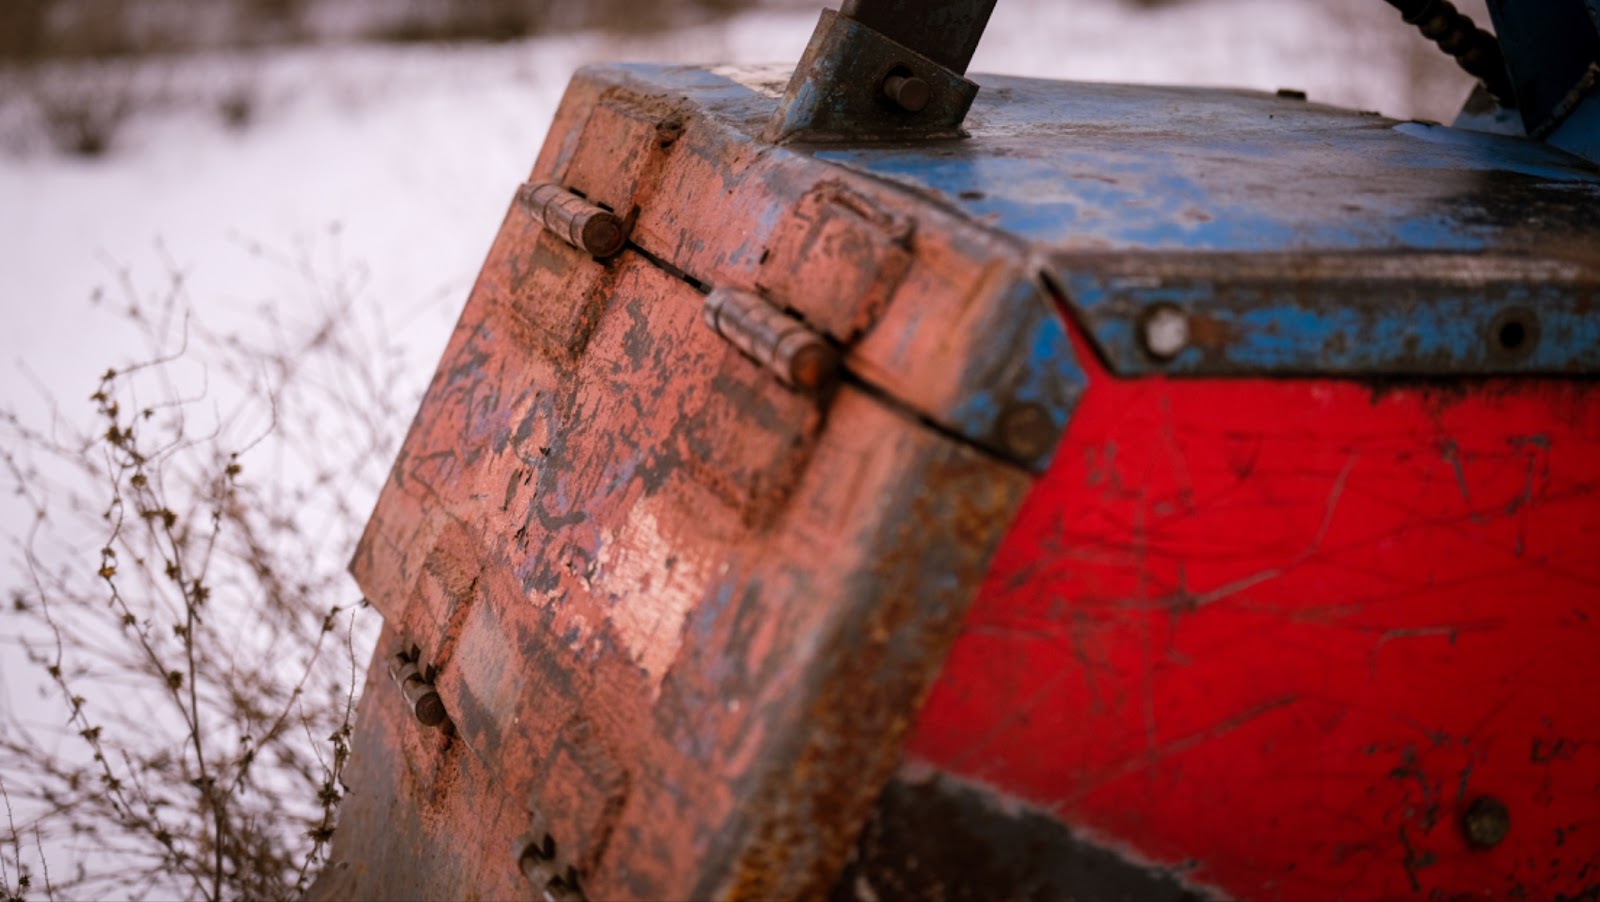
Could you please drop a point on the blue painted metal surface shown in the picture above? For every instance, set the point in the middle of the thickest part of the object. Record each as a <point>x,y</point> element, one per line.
<point>1301,237</point>
<point>1026,359</point>
<point>1105,167</point>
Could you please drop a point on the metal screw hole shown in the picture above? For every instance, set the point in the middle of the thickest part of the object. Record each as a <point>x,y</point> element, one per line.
<point>1511,335</point>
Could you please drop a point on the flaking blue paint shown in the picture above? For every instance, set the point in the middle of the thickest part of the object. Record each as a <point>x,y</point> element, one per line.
<point>1270,331</point>
<point>1074,170</point>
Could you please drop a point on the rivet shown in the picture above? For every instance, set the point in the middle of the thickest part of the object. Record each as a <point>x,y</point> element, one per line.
<point>908,92</point>
<point>1164,330</point>
<point>1026,431</point>
<point>1485,823</point>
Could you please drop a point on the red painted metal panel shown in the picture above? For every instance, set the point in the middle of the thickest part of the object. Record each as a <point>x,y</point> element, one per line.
<point>1282,635</point>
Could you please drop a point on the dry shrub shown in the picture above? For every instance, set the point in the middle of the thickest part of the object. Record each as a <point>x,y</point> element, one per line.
<point>178,588</point>
<point>83,107</point>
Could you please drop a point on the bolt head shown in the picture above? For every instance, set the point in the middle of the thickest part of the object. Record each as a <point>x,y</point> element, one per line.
<point>1164,330</point>
<point>909,92</point>
<point>1486,822</point>
<point>430,709</point>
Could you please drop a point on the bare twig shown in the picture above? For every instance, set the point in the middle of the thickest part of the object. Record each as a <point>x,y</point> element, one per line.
<point>182,611</point>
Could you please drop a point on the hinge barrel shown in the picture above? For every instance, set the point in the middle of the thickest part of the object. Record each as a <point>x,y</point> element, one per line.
<point>798,356</point>
<point>590,228</point>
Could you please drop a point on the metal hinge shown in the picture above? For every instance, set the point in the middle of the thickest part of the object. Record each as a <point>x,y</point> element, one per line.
<point>420,695</point>
<point>800,357</point>
<point>572,218</point>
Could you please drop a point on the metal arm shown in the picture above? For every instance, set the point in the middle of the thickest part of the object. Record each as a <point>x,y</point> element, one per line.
<point>884,70</point>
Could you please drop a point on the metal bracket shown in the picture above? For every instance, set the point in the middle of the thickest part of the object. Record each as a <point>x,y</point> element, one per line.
<point>855,84</point>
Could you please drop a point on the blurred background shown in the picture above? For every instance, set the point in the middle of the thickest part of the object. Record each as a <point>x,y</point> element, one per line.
<point>287,201</point>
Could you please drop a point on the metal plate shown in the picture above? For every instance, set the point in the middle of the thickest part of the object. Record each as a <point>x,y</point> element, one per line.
<point>1290,639</point>
<point>679,614</point>
<point>1301,237</point>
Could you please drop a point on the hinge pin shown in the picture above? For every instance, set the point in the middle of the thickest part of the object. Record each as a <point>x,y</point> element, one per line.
<point>587,227</point>
<point>800,357</point>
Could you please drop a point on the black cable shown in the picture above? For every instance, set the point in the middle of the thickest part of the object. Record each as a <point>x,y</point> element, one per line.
<point>1475,50</point>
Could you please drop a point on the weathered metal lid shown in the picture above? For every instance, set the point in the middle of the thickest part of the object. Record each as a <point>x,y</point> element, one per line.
<point>1204,231</point>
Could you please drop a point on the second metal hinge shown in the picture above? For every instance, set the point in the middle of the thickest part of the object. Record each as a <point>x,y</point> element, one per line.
<point>796,354</point>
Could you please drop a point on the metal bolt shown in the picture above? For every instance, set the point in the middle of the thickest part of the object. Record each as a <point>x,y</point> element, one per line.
<point>813,365</point>
<point>1485,822</point>
<point>1026,431</point>
<point>1164,330</point>
<point>424,701</point>
<point>908,92</point>
<point>602,234</point>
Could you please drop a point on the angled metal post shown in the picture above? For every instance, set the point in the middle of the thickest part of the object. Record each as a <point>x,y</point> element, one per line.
<point>884,70</point>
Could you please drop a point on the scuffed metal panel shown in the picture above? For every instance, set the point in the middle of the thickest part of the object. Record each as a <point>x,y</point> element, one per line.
<point>1088,167</point>
<point>1291,637</point>
<point>1390,314</point>
<point>1298,238</point>
<point>398,836</point>
<point>931,307</point>
<point>677,612</point>
<point>1295,639</point>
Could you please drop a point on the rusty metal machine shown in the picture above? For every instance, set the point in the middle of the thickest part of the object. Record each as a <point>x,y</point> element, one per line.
<point>863,480</point>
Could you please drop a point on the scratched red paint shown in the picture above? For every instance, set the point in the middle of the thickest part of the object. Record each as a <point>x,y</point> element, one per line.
<point>1278,635</point>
